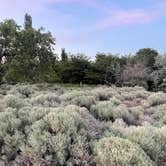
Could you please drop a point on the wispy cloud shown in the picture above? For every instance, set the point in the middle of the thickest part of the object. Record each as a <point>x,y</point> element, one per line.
<point>123,18</point>
<point>116,16</point>
<point>109,15</point>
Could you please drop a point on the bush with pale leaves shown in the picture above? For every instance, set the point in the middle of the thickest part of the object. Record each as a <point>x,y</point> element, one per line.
<point>117,151</point>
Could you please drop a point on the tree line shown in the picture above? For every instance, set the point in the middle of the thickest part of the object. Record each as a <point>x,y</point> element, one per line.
<point>27,55</point>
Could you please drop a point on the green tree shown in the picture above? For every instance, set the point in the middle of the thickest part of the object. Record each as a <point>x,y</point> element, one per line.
<point>21,69</point>
<point>109,66</point>
<point>74,70</point>
<point>45,55</point>
<point>159,74</point>
<point>63,55</point>
<point>8,39</point>
<point>147,56</point>
<point>35,59</point>
<point>27,21</point>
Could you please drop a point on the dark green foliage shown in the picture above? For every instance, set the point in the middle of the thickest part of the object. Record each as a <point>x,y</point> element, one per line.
<point>27,21</point>
<point>27,55</point>
<point>63,55</point>
<point>21,69</point>
<point>74,70</point>
<point>1,73</point>
<point>147,56</point>
<point>28,52</point>
<point>159,74</point>
<point>110,67</point>
<point>8,39</point>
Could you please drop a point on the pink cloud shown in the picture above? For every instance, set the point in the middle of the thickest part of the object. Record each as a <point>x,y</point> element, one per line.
<point>123,17</point>
<point>133,16</point>
<point>114,17</point>
<point>110,16</point>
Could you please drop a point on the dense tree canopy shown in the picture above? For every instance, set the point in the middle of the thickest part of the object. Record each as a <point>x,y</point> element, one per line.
<point>27,55</point>
<point>147,57</point>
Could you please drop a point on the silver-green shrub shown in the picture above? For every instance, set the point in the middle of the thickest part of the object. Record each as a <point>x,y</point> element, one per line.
<point>69,95</point>
<point>117,151</point>
<point>39,126</point>
<point>149,139</point>
<point>137,111</point>
<point>55,134</point>
<point>157,98</point>
<point>84,101</point>
<point>13,102</point>
<point>46,100</point>
<point>103,110</point>
<point>160,115</point>
<point>103,93</point>
<point>26,90</point>
<point>107,110</point>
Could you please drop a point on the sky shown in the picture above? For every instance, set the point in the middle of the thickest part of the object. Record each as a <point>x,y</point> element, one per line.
<point>91,26</point>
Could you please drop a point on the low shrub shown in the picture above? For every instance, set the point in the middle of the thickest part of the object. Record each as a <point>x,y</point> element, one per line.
<point>103,110</point>
<point>157,98</point>
<point>13,102</point>
<point>137,111</point>
<point>106,110</point>
<point>145,104</point>
<point>115,101</point>
<point>46,100</point>
<point>146,119</point>
<point>51,134</point>
<point>160,111</point>
<point>41,127</point>
<point>160,114</point>
<point>56,134</point>
<point>69,95</point>
<point>26,90</point>
<point>149,139</point>
<point>103,93</point>
<point>93,126</point>
<point>1,106</point>
<point>11,137</point>
<point>128,96</point>
<point>117,151</point>
<point>131,89</point>
<point>117,128</point>
<point>120,111</point>
<point>84,101</point>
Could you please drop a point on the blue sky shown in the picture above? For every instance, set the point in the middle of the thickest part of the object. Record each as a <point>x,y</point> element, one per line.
<point>91,26</point>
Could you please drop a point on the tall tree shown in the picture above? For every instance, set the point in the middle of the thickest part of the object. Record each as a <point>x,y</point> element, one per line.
<point>109,67</point>
<point>8,39</point>
<point>147,56</point>
<point>27,21</point>
<point>64,56</point>
<point>74,70</point>
<point>159,74</point>
<point>35,59</point>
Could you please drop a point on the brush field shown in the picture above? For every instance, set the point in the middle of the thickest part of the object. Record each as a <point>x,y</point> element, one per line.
<point>49,125</point>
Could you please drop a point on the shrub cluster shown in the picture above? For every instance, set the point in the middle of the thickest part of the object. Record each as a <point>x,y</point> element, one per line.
<point>117,151</point>
<point>54,135</point>
<point>151,139</point>
<point>46,100</point>
<point>106,110</point>
<point>157,98</point>
<point>88,126</point>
